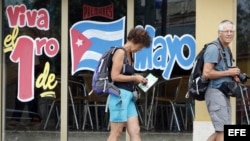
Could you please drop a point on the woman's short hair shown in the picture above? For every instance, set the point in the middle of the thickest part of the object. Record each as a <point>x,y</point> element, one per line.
<point>139,35</point>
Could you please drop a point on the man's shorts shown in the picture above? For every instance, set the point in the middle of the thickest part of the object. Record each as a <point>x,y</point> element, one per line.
<point>121,108</point>
<point>219,108</point>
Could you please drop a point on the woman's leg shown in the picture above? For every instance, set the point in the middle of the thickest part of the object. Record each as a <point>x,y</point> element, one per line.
<point>133,128</point>
<point>115,131</point>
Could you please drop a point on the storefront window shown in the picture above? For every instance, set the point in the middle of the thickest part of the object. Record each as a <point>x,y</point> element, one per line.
<point>94,26</point>
<point>168,17</point>
<point>31,39</point>
<point>32,55</point>
<point>243,56</point>
<point>32,52</point>
<point>173,18</point>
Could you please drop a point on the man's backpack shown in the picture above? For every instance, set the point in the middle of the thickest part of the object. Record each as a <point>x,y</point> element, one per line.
<point>101,81</point>
<point>197,85</point>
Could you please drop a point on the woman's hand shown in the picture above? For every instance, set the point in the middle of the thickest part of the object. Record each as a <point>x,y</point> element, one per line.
<point>140,79</point>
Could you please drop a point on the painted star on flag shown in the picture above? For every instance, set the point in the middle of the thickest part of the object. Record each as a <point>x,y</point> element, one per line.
<point>79,48</point>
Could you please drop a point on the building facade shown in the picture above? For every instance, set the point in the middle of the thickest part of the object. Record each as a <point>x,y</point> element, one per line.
<point>49,45</point>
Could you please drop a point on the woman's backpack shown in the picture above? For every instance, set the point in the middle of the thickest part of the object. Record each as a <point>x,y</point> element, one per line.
<point>101,81</point>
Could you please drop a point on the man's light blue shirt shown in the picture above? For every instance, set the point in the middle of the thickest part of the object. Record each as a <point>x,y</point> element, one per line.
<point>213,55</point>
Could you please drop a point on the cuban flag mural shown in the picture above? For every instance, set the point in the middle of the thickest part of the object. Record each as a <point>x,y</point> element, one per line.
<point>90,39</point>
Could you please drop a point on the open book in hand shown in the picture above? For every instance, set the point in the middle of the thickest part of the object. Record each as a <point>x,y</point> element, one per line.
<point>151,81</point>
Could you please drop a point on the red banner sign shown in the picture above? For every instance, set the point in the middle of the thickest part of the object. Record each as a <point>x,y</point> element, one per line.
<point>104,11</point>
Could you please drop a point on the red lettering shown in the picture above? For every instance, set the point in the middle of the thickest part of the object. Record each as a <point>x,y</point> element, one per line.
<point>43,20</point>
<point>50,46</point>
<point>23,54</point>
<point>31,16</point>
<point>40,44</point>
<point>20,16</point>
<point>105,11</point>
<point>13,14</point>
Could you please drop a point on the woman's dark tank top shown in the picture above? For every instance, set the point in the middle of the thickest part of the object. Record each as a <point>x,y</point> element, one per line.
<point>129,70</point>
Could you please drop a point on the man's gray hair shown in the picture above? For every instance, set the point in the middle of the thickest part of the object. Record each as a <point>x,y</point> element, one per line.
<point>225,22</point>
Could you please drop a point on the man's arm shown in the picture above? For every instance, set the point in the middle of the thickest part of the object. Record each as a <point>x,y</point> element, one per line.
<point>210,73</point>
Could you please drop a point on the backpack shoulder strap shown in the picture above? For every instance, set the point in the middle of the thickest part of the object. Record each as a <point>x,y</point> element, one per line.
<point>221,51</point>
<point>231,55</point>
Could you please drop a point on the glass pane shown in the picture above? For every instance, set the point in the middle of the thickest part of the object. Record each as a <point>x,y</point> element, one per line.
<point>168,17</point>
<point>31,36</point>
<point>91,34</point>
<point>243,56</point>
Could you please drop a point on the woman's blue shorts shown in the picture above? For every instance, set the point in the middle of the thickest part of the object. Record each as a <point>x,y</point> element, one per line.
<point>121,108</point>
